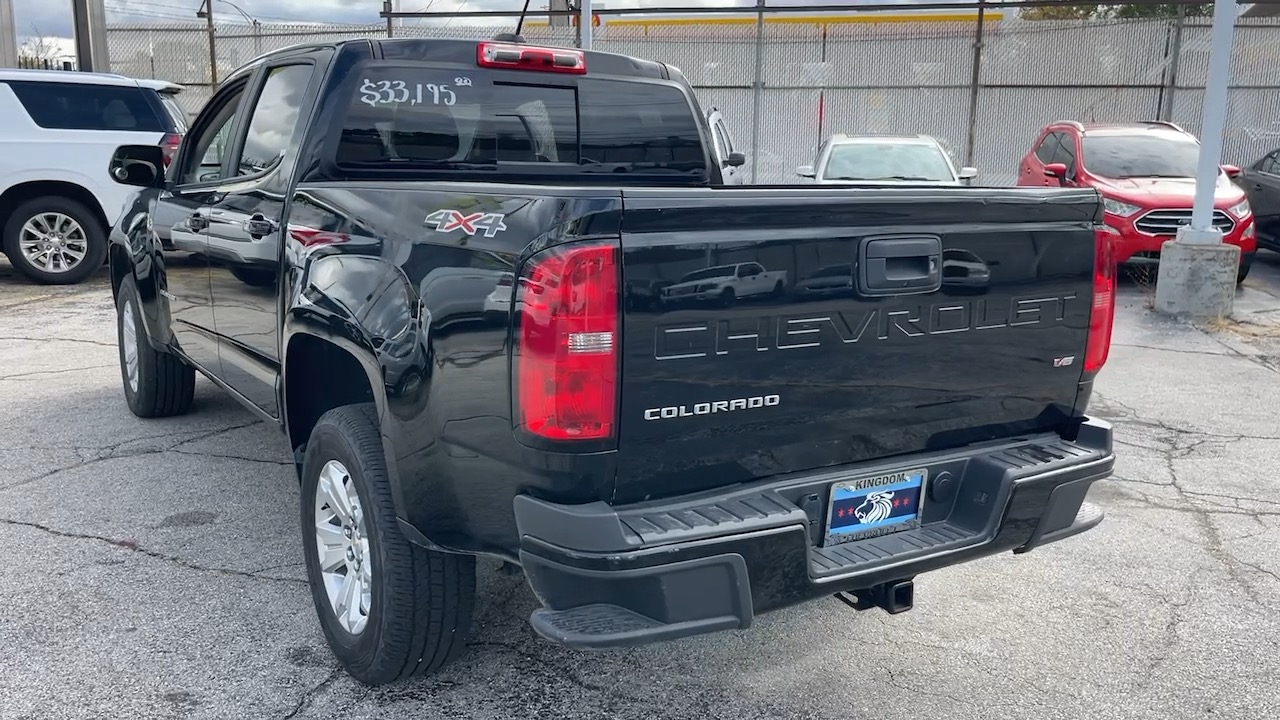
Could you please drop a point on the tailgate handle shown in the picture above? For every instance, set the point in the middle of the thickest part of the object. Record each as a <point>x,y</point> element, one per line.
<point>903,265</point>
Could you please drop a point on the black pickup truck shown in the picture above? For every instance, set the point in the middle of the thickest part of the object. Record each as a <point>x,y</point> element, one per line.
<point>418,256</point>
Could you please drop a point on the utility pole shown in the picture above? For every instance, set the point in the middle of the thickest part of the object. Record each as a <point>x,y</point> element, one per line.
<point>584,24</point>
<point>90,20</point>
<point>8,36</point>
<point>206,12</point>
<point>1197,275</point>
<point>556,6</point>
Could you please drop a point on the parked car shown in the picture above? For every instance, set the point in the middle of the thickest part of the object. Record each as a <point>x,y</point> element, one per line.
<point>58,131</point>
<point>1261,182</point>
<point>731,161</point>
<point>1146,173</point>
<point>656,475</point>
<point>725,284</point>
<point>885,160</point>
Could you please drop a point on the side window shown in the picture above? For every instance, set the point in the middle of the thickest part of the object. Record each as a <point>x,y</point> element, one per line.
<point>1047,149</point>
<point>274,119</point>
<point>206,146</point>
<point>724,131</point>
<point>722,147</point>
<point>1271,164</point>
<point>86,106</point>
<point>1066,151</point>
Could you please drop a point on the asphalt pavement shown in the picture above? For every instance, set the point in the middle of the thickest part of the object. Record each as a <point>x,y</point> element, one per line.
<point>154,567</point>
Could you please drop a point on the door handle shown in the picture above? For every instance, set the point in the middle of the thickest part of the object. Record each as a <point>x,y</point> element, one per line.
<point>901,265</point>
<point>197,222</point>
<point>258,225</point>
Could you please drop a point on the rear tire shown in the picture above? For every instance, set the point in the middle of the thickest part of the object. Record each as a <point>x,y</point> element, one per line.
<point>728,297</point>
<point>156,383</point>
<point>55,240</point>
<point>408,611</point>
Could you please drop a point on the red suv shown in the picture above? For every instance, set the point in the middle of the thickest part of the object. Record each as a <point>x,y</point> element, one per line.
<point>1146,175</point>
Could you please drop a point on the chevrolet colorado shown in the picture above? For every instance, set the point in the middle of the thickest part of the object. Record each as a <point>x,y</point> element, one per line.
<point>415,256</point>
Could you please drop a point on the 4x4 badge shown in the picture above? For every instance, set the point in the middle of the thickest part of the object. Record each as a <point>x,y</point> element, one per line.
<point>449,220</point>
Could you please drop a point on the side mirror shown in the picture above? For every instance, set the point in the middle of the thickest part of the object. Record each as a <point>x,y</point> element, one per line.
<point>735,159</point>
<point>967,174</point>
<point>1232,171</point>
<point>138,165</point>
<point>806,171</point>
<point>1056,170</point>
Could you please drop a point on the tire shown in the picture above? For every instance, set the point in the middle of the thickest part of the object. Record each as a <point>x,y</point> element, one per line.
<point>728,297</point>
<point>254,277</point>
<point>1246,264</point>
<point>78,231</point>
<point>419,601</point>
<point>158,383</point>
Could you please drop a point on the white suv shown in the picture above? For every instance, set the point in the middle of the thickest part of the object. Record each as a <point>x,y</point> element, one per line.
<point>58,131</point>
<point>885,160</point>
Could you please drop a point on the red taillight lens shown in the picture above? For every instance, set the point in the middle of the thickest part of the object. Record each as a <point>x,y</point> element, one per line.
<point>567,357</point>
<point>1102,315</point>
<point>169,143</point>
<point>524,57</point>
<point>312,238</point>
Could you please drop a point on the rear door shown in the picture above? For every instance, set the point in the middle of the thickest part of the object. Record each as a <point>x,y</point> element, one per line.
<point>245,221</point>
<point>783,382</point>
<point>81,125</point>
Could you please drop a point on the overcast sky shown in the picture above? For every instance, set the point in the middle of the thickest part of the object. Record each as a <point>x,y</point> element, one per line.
<point>53,17</point>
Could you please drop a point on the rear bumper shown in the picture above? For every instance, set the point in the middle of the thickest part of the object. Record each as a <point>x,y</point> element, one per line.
<point>611,577</point>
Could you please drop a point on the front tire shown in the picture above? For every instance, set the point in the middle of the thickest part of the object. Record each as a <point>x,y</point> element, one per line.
<point>156,383</point>
<point>389,609</point>
<point>55,240</point>
<point>1246,264</point>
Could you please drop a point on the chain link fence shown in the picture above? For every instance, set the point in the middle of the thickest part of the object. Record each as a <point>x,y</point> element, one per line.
<point>981,80</point>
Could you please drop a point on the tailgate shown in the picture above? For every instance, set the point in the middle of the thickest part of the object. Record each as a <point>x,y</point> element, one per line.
<point>776,330</point>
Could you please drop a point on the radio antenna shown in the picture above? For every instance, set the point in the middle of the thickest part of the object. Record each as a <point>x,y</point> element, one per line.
<point>523,12</point>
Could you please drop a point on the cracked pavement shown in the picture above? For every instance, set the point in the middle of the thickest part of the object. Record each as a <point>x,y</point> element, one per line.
<point>161,573</point>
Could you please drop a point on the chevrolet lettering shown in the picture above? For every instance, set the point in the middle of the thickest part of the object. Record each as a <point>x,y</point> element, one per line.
<point>811,330</point>
<point>537,324</point>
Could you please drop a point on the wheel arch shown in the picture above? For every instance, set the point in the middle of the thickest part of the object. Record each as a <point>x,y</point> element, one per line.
<point>321,373</point>
<point>17,194</point>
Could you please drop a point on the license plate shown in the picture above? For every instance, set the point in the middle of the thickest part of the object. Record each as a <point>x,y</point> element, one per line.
<point>873,506</point>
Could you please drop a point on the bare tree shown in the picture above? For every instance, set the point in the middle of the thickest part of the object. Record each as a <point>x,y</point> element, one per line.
<point>38,51</point>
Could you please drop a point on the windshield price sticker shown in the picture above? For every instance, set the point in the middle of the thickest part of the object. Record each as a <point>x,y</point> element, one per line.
<point>398,92</point>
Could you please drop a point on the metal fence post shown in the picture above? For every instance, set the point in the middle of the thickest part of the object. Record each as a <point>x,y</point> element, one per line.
<point>8,36</point>
<point>1171,75</point>
<point>756,89</point>
<point>971,132</point>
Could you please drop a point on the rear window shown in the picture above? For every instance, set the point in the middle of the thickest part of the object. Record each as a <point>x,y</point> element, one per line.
<point>475,121</point>
<point>176,113</point>
<point>83,106</point>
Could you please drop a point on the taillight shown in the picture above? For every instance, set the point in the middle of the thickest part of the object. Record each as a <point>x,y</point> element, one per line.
<point>524,57</point>
<point>169,143</point>
<point>1103,313</point>
<point>566,365</point>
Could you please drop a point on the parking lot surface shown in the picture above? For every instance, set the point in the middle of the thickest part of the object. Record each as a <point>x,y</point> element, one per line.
<point>155,567</point>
